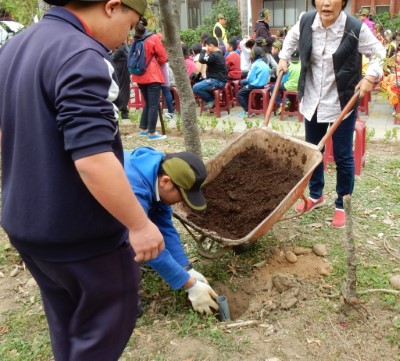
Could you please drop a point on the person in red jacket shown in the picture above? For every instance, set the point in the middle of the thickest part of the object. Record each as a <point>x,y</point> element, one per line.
<point>151,80</point>
<point>233,61</point>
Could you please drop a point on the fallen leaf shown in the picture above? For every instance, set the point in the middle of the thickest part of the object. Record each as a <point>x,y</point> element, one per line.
<point>259,264</point>
<point>312,340</point>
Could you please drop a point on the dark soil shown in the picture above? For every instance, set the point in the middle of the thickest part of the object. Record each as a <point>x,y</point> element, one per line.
<point>245,192</point>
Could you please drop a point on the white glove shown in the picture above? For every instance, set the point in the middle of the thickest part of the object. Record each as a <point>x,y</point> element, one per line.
<point>197,275</point>
<point>202,297</point>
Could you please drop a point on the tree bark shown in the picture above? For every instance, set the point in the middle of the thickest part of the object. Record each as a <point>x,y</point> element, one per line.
<point>244,17</point>
<point>170,23</point>
<point>43,8</point>
<point>349,288</point>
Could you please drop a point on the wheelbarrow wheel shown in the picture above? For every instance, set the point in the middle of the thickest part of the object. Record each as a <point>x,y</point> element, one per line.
<point>208,248</point>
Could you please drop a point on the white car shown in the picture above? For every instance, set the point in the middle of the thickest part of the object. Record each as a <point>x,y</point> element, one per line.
<point>8,29</point>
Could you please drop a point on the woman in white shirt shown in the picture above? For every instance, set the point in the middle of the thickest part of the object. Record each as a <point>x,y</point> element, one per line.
<point>330,43</point>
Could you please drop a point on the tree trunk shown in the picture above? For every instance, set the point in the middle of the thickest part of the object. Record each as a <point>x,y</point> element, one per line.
<point>349,290</point>
<point>43,8</point>
<point>244,17</point>
<point>169,14</point>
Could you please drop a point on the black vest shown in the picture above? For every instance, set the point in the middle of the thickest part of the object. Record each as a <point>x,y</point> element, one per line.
<point>346,59</point>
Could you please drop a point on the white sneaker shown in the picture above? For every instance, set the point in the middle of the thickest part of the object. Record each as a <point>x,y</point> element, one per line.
<point>169,115</point>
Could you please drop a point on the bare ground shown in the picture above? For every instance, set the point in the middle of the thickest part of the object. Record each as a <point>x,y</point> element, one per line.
<point>295,312</point>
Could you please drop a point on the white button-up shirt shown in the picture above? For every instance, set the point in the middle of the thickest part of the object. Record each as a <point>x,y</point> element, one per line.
<point>320,91</point>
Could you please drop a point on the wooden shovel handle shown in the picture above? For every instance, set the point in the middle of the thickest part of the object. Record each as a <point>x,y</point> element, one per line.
<point>273,98</point>
<point>337,122</point>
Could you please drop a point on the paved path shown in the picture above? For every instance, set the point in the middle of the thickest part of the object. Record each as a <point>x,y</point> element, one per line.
<point>380,121</point>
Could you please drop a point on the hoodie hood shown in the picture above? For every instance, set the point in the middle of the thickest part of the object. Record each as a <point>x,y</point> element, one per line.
<point>143,162</point>
<point>260,24</point>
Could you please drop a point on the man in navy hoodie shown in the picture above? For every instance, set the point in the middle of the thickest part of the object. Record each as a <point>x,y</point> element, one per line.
<point>159,181</point>
<point>67,205</point>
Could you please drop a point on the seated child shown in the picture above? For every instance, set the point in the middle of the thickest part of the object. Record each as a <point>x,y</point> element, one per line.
<point>290,80</point>
<point>257,79</point>
<point>217,73</point>
<point>233,60</point>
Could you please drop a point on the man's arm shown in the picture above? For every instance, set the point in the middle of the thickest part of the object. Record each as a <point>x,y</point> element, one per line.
<point>105,178</point>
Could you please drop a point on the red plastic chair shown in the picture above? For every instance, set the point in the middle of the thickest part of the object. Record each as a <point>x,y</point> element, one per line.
<point>258,101</point>
<point>222,102</point>
<point>359,148</point>
<point>363,107</point>
<point>294,106</point>
<point>135,100</point>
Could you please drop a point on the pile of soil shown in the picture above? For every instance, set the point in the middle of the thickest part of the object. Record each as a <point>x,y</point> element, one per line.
<point>245,192</point>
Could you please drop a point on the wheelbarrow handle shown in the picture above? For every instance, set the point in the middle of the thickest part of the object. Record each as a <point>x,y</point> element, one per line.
<point>337,122</point>
<point>271,103</point>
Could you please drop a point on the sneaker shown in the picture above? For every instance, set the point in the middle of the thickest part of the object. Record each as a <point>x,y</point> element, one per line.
<point>156,136</point>
<point>242,114</point>
<point>144,133</point>
<point>339,219</point>
<point>279,111</point>
<point>251,115</point>
<point>209,105</point>
<point>124,115</point>
<point>310,205</point>
<point>169,115</point>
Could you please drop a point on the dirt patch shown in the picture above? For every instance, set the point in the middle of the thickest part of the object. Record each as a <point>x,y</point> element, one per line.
<point>245,192</point>
<point>275,284</point>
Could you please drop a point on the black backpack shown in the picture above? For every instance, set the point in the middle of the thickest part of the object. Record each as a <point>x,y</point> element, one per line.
<point>137,56</point>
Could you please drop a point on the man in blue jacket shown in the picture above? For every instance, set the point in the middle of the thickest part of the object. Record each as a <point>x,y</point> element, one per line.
<point>67,205</point>
<point>159,181</point>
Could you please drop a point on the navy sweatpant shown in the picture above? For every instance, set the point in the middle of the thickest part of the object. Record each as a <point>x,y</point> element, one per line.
<point>91,306</point>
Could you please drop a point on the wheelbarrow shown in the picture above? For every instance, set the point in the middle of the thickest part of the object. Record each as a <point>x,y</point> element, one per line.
<point>307,156</point>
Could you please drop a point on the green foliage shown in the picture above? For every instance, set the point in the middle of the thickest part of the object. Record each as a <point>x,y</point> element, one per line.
<point>190,36</point>
<point>233,27</point>
<point>179,123</point>
<point>22,11</point>
<point>391,134</point>
<point>229,125</point>
<point>386,22</point>
<point>249,123</point>
<point>202,123</point>
<point>19,343</point>
<point>213,123</point>
<point>370,134</point>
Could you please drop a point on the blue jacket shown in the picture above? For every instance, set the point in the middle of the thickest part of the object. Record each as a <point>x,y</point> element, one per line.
<point>57,86</point>
<point>258,76</point>
<point>141,167</point>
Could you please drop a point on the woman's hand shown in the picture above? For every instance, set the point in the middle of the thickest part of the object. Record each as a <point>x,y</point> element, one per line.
<point>282,65</point>
<point>365,85</point>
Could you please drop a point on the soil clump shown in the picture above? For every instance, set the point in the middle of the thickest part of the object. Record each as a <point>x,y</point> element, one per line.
<point>245,192</point>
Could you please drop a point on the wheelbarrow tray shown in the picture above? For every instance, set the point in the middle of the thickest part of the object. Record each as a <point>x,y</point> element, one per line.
<point>306,156</point>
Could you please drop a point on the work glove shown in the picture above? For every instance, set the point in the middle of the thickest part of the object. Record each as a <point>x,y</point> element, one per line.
<point>202,297</point>
<point>197,275</point>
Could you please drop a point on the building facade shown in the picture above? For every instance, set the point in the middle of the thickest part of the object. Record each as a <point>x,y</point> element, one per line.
<point>286,12</point>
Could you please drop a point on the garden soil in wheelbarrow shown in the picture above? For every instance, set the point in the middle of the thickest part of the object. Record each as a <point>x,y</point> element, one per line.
<point>245,192</point>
